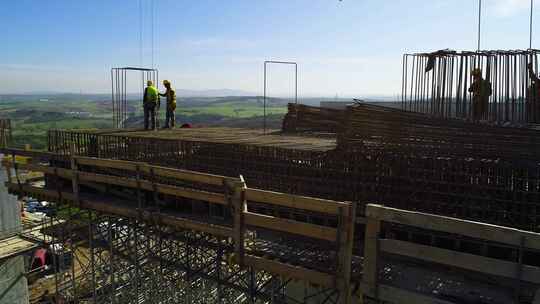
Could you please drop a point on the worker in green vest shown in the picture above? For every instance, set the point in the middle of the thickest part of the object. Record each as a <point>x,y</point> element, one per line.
<point>170,94</point>
<point>481,90</point>
<point>150,104</point>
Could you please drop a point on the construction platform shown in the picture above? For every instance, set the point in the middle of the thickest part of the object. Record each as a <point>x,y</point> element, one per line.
<point>368,153</point>
<point>240,216</point>
<point>252,137</point>
<point>142,223</point>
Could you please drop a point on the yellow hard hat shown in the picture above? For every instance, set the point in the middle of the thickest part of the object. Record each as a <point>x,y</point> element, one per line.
<point>149,83</point>
<point>166,82</point>
<point>476,72</point>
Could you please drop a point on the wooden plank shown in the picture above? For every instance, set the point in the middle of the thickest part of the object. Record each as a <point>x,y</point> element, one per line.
<point>461,260</point>
<point>109,163</point>
<point>185,175</point>
<point>238,204</point>
<point>472,229</point>
<point>87,177</point>
<point>294,201</point>
<point>14,246</point>
<point>290,271</point>
<point>44,155</point>
<point>126,211</point>
<point>290,226</point>
<point>371,253</point>
<point>188,175</point>
<point>178,223</point>
<point>396,295</point>
<point>346,242</point>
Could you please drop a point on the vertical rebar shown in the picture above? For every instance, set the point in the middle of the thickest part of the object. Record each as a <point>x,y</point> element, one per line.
<point>264,100</point>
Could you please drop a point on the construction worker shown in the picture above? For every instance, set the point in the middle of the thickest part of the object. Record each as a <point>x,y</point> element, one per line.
<point>150,103</point>
<point>170,94</point>
<point>481,90</point>
<point>533,104</point>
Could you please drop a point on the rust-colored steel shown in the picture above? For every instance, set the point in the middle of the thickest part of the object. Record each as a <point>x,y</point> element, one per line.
<point>403,159</point>
<point>439,84</point>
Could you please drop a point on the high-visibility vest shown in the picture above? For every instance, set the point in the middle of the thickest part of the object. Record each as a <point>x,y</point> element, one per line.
<point>152,94</point>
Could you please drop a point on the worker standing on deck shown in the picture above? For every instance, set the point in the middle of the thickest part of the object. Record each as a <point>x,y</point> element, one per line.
<point>481,90</point>
<point>150,103</point>
<point>533,103</point>
<point>170,94</point>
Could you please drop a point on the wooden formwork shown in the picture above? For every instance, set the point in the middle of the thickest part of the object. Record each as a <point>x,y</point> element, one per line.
<point>516,279</point>
<point>392,268</point>
<point>169,185</point>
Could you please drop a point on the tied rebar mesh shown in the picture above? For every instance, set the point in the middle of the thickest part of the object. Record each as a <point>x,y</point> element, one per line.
<point>438,84</point>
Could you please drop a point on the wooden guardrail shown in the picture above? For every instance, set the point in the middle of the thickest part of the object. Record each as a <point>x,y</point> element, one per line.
<point>375,246</point>
<point>235,195</point>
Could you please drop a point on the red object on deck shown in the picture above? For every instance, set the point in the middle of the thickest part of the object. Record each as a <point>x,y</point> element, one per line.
<point>39,258</point>
<point>186,125</point>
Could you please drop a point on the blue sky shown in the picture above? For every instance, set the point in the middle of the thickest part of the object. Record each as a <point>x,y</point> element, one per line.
<point>349,48</point>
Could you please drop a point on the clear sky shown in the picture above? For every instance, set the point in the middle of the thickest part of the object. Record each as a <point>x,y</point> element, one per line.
<point>349,47</point>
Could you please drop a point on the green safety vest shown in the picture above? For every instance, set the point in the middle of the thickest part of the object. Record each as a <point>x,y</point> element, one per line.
<point>152,94</point>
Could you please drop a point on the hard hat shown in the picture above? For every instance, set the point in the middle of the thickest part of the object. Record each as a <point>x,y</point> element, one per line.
<point>476,72</point>
<point>166,82</point>
<point>149,83</point>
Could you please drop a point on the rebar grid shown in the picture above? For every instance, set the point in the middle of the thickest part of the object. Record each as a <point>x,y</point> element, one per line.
<point>407,160</point>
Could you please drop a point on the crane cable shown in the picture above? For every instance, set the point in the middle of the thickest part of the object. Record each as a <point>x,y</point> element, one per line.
<point>479,22</point>
<point>152,29</point>
<point>140,34</point>
<point>531,25</point>
<point>141,31</point>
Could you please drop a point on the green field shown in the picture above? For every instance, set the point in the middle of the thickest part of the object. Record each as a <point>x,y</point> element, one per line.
<point>33,116</point>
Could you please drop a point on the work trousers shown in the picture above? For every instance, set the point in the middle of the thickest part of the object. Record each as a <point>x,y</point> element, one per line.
<point>480,108</point>
<point>149,116</point>
<point>169,117</point>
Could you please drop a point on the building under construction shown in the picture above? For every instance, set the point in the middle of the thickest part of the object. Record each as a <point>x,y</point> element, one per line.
<point>363,205</point>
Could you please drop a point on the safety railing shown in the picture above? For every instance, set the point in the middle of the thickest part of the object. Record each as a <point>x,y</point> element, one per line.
<point>234,195</point>
<point>376,246</point>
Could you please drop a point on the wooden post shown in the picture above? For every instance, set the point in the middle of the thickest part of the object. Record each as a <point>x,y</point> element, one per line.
<point>371,252</point>
<point>139,192</point>
<point>239,207</point>
<point>346,240</point>
<point>75,176</point>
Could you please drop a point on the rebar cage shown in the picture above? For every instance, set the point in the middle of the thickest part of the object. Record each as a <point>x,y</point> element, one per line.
<point>438,84</point>
<point>119,83</point>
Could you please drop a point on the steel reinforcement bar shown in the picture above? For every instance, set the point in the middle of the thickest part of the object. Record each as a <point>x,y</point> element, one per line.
<point>438,84</point>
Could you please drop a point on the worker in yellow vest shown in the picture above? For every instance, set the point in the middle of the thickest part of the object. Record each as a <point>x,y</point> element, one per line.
<point>533,98</point>
<point>150,103</point>
<point>481,90</point>
<point>170,94</point>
